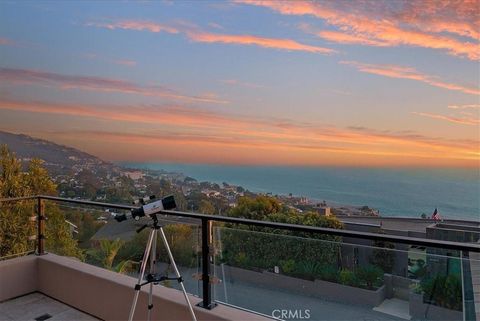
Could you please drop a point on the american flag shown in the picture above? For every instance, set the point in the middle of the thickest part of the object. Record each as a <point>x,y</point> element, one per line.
<point>435,215</point>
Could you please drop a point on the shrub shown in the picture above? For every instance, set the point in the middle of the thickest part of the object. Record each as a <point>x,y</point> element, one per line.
<point>308,269</point>
<point>383,256</point>
<point>182,240</point>
<point>419,270</point>
<point>240,259</point>
<point>371,276</point>
<point>288,266</point>
<point>329,273</point>
<point>347,277</point>
<point>266,247</point>
<point>444,291</point>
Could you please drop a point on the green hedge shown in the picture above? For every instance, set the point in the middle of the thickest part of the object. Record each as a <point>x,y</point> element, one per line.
<point>444,291</point>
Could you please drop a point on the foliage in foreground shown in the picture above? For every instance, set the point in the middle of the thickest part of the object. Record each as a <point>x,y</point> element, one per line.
<point>105,253</point>
<point>263,248</point>
<point>15,224</point>
<point>444,291</point>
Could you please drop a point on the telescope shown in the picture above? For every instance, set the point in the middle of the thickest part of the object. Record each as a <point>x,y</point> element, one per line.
<point>151,209</point>
<point>166,203</point>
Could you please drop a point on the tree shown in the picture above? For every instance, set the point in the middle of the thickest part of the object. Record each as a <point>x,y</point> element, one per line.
<point>195,198</point>
<point>258,208</point>
<point>106,253</point>
<point>181,201</point>
<point>15,228</point>
<point>59,239</point>
<point>12,179</point>
<point>15,224</point>
<point>182,239</point>
<point>37,180</point>
<point>183,242</point>
<point>206,207</point>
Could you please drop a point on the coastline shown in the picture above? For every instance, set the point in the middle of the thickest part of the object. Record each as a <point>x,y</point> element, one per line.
<point>299,203</point>
<point>395,193</point>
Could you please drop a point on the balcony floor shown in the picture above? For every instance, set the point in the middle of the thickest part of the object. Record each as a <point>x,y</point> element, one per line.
<point>34,306</point>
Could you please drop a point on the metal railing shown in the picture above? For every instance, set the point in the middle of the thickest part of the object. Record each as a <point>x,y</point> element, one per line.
<point>206,223</point>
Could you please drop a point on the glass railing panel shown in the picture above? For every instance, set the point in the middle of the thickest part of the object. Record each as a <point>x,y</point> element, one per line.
<point>71,230</point>
<point>298,278</point>
<point>18,228</point>
<point>92,235</point>
<point>184,239</point>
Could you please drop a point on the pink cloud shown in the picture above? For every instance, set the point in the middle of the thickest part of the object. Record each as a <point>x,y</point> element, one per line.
<point>139,25</point>
<point>472,121</point>
<point>381,23</point>
<point>455,17</point>
<point>195,34</point>
<point>235,82</point>
<point>125,62</point>
<point>395,71</point>
<point>99,84</point>
<point>215,25</point>
<point>346,38</point>
<point>6,42</point>
<point>309,141</point>
<point>275,43</point>
<point>468,106</point>
<point>460,114</point>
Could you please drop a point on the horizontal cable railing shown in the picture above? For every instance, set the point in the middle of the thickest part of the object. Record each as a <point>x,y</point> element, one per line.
<point>206,233</point>
<point>293,227</point>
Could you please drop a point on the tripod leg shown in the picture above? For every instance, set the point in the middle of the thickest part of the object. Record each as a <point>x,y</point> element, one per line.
<point>177,273</point>
<point>153,262</point>
<point>142,273</point>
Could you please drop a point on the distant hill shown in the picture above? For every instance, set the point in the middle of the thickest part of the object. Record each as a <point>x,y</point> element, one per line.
<point>58,159</point>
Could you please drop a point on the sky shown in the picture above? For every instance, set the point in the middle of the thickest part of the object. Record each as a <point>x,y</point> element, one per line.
<point>250,82</point>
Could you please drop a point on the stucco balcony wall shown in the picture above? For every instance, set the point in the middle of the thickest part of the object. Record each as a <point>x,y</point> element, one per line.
<point>104,294</point>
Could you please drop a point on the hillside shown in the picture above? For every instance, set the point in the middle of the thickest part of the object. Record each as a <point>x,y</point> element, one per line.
<point>58,159</point>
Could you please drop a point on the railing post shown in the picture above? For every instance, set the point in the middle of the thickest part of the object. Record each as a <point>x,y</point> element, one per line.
<point>206,284</point>
<point>40,226</point>
<point>468,296</point>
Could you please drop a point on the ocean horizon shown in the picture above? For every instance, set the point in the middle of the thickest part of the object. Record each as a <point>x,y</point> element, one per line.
<point>405,192</point>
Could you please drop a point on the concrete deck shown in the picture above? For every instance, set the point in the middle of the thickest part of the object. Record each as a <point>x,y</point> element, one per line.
<point>37,306</point>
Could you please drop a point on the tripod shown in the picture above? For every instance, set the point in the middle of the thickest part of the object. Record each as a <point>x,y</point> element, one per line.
<point>153,278</point>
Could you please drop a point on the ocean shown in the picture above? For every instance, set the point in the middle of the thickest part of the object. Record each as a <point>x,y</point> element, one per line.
<point>394,192</point>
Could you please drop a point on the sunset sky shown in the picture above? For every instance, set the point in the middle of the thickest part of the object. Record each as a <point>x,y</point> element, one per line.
<point>348,83</point>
